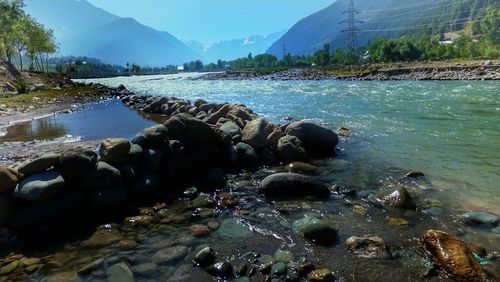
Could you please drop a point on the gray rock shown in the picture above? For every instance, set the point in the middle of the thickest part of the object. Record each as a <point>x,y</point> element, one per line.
<point>222,112</point>
<point>170,255</point>
<point>316,230</point>
<point>114,150</point>
<point>136,153</point>
<point>300,167</point>
<point>73,163</point>
<point>188,130</point>
<point>292,185</point>
<point>204,257</point>
<point>39,186</point>
<point>103,176</point>
<point>479,217</point>
<point>119,272</point>
<point>317,139</point>
<point>291,149</point>
<point>40,164</point>
<point>231,128</point>
<point>399,198</point>
<point>283,255</point>
<point>153,137</point>
<point>278,269</point>
<point>247,154</point>
<point>367,247</point>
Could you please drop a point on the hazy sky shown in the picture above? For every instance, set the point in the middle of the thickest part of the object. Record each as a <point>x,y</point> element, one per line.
<point>210,21</point>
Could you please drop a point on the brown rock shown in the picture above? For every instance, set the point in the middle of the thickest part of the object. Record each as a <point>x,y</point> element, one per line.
<point>8,179</point>
<point>199,230</point>
<point>259,133</point>
<point>367,246</point>
<point>322,274</point>
<point>114,150</point>
<point>453,256</point>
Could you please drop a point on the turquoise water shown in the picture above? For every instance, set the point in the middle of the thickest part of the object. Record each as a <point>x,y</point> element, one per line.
<point>448,130</point>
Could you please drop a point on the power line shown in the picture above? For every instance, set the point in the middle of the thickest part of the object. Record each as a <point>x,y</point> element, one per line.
<point>409,7</point>
<point>424,26</point>
<point>425,17</point>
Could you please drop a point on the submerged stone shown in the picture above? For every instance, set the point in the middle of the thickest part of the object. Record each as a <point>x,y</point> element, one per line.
<point>221,269</point>
<point>322,274</point>
<point>204,257</point>
<point>230,229</point>
<point>120,272</point>
<point>283,255</point>
<point>316,230</point>
<point>399,198</point>
<point>299,167</point>
<point>480,217</point>
<point>292,185</point>
<point>278,268</point>
<point>170,255</point>
<point>367,247</point>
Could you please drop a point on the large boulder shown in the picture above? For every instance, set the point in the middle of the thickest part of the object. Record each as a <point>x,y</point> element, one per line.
<point>8,179</point>
<point>247,155</point>
<point>292,185</point>
<point>453,256</point>
<point>317,139</point>
<point>40,164</point>
<point>290,149</point>
<point>39,186</point>
<point>222,112</point>
<point>155,136</point>
<point>189,130</point>
<point>241,112</point>
<point>259,133</point>
<point>114,150</point>
<point>231,128</point>
<point>75,162</point>
<point>318,231</point>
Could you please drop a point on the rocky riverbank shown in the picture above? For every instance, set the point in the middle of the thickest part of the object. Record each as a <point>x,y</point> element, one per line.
<point>489,70</point>
<point>189,191</point>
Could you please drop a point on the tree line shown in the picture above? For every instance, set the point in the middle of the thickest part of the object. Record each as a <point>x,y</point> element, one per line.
<point>21,37</point>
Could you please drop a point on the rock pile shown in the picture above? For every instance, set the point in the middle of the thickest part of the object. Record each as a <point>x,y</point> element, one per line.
<point>196,145</point>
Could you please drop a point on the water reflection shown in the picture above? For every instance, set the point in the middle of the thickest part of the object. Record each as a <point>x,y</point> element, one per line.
<point>42,129</point>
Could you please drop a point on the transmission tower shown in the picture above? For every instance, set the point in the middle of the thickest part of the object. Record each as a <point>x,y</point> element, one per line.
<point>284,50</point>
<point>351,31</point>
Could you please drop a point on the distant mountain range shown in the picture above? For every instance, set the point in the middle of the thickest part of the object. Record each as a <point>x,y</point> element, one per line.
<point>382,18</point>
<point>82,29</point>
<point>236,48</point>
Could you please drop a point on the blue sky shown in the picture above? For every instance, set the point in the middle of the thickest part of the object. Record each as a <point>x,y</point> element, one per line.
<point>211,21</point>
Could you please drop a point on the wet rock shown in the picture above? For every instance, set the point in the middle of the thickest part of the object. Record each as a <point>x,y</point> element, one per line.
<point>153,137</point>
<point>397,221</point>
<point>204,257</point>
<point>322,274</point>
<point>278,269</point>
<point>120,272</point>
<point>241,269</point>
<point>8,179</point>
<point>213,224</point>
<point>317,139</point>
<point>145,269</point>
<point>89,267</point>
<point>453,256</point>
<point>479,217</point>
<point>283,256</point>
<point>222,112</point>
<point>247,154</point>
<point>291,149</point>
<point>241,112</point>
<point>292,185</point>
<point>188,130</point>
<point>151,160</point>
<point>257,131</point>
<point>7,206</point>
<point>231,128</point>
<point>230,229</point>
<point>139,220</point>
<point>182,273</point>
<point>199,102</point>
<point>170,255</point>
<point>399,198</point>
<point>300,167</point>
<point>367,247</point>
<point>40,164</point>
<point>414,174</point>
<point>39,186</point>
<point>67,276</point>
<point>316,230</point>
<point>9,268</point>
<point>102,176</point>
<point>136,153</point>
<point>199,230</point>
<point>203,201</point>
<point>221,269</point>
<point>114,150</point>
<point>102,238</point>
<point>213,178</point>
<point>359,210</point>
<point>74,163</point>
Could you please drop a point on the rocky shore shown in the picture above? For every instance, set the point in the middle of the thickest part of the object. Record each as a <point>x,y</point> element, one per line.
<point>175,169</point>
<point>488,70</point>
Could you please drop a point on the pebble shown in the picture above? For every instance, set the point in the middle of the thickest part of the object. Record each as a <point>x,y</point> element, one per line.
<point>283,256</point>
<point>278,268</point>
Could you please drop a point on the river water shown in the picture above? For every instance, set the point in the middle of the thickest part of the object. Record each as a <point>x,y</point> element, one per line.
<point>448,130</point>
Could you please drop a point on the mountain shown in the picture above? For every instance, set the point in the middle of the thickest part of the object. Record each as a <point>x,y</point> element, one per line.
<point>382,18</point>
<point>236,48</point>
<point>82,29</point>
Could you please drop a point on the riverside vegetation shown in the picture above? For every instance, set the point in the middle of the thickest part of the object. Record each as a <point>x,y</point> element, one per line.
<point>203,162</point>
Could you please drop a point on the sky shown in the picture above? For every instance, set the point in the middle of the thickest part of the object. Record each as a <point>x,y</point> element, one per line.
<point>210,21</point>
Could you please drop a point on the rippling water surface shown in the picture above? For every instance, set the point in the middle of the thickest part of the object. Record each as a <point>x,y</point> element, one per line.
<point>449,130</point>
